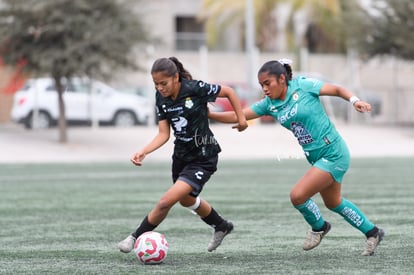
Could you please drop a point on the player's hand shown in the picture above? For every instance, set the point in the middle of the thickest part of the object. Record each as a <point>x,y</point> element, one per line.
<point>137,158</point>
<point>240,126</point>
<point>362,106</point>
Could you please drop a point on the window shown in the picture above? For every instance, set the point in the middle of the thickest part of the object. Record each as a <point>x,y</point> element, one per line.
<point>189,34</point>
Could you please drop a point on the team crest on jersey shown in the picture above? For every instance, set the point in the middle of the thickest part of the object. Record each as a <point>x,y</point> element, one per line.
<point>295,96</point>
<point>189,103</point>
<point>301,133</point>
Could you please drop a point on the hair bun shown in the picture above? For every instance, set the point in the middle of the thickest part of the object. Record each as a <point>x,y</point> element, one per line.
<point>285,61</point>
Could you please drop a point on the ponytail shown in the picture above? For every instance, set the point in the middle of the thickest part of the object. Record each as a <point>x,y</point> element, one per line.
<point>181,70</point>
<point>170,66</point>
<point>278,68</point>
<point>289,72</point>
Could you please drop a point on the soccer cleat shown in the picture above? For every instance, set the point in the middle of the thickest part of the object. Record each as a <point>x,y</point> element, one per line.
<point>127,245</point>
<point>372,243</point>
<point>313,239</point>
<point>218,237</point>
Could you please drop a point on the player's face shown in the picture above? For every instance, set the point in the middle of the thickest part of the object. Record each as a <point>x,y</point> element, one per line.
<point>168,86</point>
<point>273,87</point>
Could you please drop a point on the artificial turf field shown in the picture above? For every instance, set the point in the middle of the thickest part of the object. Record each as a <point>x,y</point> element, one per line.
<point>68,218</point>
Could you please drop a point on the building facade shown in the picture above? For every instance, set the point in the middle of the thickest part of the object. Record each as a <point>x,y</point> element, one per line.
<point>177,31</point>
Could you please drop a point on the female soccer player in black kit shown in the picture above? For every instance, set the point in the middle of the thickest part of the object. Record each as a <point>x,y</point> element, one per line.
<point>182,105</point>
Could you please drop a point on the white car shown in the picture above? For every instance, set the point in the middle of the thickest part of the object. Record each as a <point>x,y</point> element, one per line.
<point>36,104</point>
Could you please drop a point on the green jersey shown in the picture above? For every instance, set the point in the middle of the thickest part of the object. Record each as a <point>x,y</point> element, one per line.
<point>187,116</point>
<point>302,113</point>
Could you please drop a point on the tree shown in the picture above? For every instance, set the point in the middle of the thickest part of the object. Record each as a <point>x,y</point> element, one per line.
<point>323,32</point>
<point>331,25</point>
<point>67,38</point>
<point>322,15</point>
<point>220,14</point>
<point>388,29</point>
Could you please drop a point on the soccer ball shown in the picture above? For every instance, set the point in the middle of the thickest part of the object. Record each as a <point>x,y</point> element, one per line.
<point>151,248</point>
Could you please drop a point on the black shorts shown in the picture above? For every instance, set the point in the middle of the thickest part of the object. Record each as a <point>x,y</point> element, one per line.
<point>195,173</point>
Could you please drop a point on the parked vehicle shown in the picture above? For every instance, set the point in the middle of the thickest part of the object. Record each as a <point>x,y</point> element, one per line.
<point>147,92</point>
<point>222,104</point>
<point>36,104</point>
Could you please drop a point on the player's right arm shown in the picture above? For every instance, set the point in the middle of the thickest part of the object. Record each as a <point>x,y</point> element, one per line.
<point>159,140</point>
<point>230,117</point>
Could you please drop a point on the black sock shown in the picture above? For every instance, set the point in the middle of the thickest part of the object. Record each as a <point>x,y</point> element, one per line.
<point>373,232</point>
<point>323,228</point>
<point>144,227</point>
<point>215,220</point>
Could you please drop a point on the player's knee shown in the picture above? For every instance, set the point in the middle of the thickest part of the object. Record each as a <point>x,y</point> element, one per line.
<point>297,198</point>
<point>332,203</point>
<point>193,206</point>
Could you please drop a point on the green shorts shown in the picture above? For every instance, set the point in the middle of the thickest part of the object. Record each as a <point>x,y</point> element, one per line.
<point>333,158</point>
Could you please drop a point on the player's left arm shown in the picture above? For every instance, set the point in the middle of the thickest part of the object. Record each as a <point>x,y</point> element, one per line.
<point>335,90</point>
<point>228,92</point>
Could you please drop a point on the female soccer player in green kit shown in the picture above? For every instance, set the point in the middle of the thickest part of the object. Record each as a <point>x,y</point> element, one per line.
<point>182,105</point>
<point>295,104</point>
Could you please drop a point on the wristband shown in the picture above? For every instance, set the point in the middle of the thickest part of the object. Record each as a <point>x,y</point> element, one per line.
<point>354,99</point>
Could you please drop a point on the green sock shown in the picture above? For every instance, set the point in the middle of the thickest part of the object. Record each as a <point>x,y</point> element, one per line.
<point>351,213</point>
<point>312,214</point>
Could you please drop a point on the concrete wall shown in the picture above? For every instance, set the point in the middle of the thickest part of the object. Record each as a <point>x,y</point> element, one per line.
<point>386,78</point>
<point>159,16</point>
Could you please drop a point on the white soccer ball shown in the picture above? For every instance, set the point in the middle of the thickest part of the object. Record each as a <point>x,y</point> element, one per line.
<point>151,248</point>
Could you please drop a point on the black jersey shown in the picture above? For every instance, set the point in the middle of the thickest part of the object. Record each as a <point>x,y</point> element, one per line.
<point>187,115</point>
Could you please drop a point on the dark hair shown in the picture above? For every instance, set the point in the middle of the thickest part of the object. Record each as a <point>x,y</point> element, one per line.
<point>170,66</point>
<point>276,68</point>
